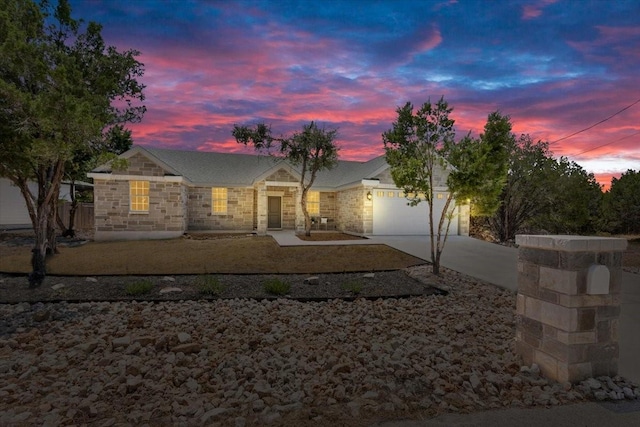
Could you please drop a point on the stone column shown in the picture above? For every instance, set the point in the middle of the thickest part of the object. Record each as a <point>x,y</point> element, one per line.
<point>568,304</point>
<point>261,205</point>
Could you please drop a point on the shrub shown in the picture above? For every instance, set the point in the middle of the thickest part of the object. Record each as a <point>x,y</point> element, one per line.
<point>354,287</point>
<point>276,287</point>
<point>209,285</point>
<point>139,288</point>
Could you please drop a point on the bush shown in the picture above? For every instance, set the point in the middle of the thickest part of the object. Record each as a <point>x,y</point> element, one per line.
<point>139,288</point>
<point>209,285</point>
<point>276,287</point>
<point>355,287</point>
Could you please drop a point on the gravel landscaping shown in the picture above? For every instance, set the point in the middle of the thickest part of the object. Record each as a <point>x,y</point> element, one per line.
<point>252,361</point>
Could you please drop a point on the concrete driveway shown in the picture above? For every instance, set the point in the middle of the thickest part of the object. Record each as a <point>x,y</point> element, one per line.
<point>486,261</point>
<point>498,265</point>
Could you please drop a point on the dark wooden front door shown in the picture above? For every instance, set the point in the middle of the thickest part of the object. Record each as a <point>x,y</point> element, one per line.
<point>274,219</point>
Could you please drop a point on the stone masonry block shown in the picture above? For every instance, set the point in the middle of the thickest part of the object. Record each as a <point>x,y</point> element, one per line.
<point>579,372</point>
<point>555,348</point>
<point>530,326</point>
<point>562,281</point>
<point>555,315</point>
<point>604,331</point>
<point>605,312</point>
<point>540,257</point>
<point>548,364</point>
<point>586,319</point>
<point>576,260</point>
<point>588,337</point>
<point>520,304</point>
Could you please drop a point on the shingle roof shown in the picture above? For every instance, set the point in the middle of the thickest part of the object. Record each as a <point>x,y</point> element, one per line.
<point>230,169</point>
<point>201,167</point>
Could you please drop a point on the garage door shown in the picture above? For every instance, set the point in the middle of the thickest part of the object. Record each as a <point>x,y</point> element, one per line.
<point>392,215</point>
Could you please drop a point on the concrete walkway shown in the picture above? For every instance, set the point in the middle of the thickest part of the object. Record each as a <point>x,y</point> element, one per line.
<point>498,265</point>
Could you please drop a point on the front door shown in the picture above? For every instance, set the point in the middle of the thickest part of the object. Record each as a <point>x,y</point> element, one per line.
<point>274,217</point>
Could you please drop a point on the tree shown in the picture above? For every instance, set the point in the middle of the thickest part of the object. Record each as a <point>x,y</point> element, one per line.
<point>116,141</point>
<point>542,193</point>
<point>574,199</point>
<point>60,87</point>
<point>621,205</point>
<point>527,190</point>
<point>421,146</point>
<point>314,149</point>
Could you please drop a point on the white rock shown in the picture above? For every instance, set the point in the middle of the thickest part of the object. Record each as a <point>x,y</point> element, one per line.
<point>170,290</point>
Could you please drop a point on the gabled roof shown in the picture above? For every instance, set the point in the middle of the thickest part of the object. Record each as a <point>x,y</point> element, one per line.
<point>230,169</point>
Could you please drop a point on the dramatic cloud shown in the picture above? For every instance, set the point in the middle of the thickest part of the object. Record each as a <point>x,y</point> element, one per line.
<point>555,67</point>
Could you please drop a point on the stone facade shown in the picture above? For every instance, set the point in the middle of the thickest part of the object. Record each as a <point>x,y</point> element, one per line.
<point>140,165</point>
<point>356,212</point>
<point>239,215</point>
<point>177,205</point>
<point>112,215</point>
<point>568,305</point>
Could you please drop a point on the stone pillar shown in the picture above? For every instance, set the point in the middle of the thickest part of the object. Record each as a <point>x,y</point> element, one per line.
<point>262,207</point>
<point>568,305</point>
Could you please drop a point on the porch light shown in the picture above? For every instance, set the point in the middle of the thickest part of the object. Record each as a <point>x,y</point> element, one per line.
<point>369,195</point>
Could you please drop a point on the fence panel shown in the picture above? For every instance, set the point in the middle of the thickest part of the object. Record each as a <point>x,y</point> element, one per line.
<point>84,215</point>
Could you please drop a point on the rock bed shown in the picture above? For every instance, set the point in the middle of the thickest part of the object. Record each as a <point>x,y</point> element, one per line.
<point>15,289</point>
<point>249,362</point>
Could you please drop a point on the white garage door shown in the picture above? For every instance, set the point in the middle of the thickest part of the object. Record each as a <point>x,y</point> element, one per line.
<point>392,215</point>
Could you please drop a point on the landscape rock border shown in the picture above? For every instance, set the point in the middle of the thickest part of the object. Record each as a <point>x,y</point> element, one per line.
<point>283,362</point>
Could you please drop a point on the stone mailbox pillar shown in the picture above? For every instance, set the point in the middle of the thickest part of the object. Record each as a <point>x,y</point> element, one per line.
<point>568,304</point>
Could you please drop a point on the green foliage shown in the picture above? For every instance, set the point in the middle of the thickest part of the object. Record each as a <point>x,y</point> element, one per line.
<point>545,194</point>
<point>140,287</point>
<point>574,199</point>
<point>60,88</point>
<point>621,205</point>
<point>314,149</point>
<point>276,286</point>
<point>355,287</point>
<point>209,285</point>
<point>527,191</point>
<point>421,146</point>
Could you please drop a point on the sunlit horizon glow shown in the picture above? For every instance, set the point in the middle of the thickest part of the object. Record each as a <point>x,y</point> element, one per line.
<point>554,67</point>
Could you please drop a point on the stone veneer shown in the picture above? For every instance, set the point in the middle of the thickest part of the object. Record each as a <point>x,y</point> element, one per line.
<point>239,215</point>
<point>166,216</point>
<point>355,213</point>
<point>567,317</point>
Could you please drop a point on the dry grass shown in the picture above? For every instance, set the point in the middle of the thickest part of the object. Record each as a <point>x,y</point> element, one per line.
<point>244,255</point>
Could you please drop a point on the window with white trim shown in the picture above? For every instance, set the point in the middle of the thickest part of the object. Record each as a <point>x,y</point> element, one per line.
<point>218,200</point>
<point>313,202</point>
<point>139,196</point>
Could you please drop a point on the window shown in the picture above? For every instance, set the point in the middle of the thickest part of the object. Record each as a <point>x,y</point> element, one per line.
<point>313,202</point>
<point>139,196</point>
<point>380,193</point>
<point>391,194</point>
<point>440,196</point>
<point>218,200</point>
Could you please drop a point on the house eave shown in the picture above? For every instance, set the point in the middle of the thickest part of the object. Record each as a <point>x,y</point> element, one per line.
<point>110,176</point>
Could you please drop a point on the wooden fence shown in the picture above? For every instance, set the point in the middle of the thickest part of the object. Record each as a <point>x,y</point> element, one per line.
<point>84,215</point>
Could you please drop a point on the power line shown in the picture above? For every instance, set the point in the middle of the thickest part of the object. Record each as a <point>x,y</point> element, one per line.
<point>594,125</point>
<point>608,143</point>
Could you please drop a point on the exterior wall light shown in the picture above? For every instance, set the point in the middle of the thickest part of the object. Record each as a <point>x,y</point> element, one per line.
<point>369,195</point>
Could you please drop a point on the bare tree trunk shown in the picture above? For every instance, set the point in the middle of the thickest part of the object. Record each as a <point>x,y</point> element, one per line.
<point>41,247</point>
<point>307,217</point>
<point>69,230</point>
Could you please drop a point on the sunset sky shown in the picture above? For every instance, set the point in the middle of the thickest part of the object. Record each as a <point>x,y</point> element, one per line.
<point>556,67</point>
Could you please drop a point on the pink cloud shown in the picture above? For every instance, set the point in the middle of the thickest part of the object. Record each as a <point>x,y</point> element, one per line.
<point>532,11</point>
